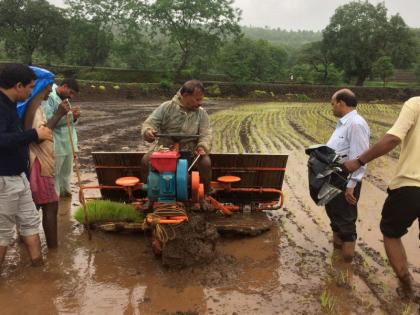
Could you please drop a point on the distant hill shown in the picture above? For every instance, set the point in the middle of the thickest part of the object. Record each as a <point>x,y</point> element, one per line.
<point>278,36</point>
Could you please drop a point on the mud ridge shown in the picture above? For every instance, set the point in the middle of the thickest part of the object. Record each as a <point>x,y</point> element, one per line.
<point>244,132</point>
<point>301,131</point>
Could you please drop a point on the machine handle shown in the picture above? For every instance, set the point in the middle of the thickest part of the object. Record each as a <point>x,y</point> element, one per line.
<point>177,135</point>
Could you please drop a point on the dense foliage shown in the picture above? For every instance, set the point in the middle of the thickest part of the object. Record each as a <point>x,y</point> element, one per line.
<point>181,39</point>
<point>360,33</point>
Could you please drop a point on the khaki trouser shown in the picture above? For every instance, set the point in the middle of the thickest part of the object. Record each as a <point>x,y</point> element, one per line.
<point>16,207</point>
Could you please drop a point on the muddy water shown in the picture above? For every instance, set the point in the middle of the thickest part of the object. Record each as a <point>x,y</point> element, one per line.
<point>118,274</point>
<point>291,269</point>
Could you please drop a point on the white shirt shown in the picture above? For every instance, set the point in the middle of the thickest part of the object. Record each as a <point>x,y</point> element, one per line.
<point>350,139</point>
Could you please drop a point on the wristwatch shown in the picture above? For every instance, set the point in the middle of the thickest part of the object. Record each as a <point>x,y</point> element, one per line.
<point>360,161</point>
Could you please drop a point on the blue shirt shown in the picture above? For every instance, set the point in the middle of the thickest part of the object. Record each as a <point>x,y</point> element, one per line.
<point>14,151</point>
<point>350,139</point>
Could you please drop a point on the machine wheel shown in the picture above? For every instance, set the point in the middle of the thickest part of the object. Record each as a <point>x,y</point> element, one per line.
<point>182,180</point>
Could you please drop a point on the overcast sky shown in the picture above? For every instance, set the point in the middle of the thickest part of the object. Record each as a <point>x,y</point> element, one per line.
<point>308,14</point>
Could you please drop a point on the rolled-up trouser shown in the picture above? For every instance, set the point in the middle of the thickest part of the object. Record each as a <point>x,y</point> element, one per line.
<point>63,173</point>
<point>343,215</point>
<point>16,207</point>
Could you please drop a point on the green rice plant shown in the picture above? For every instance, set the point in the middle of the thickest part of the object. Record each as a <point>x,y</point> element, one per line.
<point>407,309</point>
<point>344,279</point>
<point>365,266</point>
<point>275,127</point>
<point>105,211</point>
<point>328,301</point>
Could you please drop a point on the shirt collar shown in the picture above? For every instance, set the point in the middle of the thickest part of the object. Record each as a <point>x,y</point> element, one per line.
<point>54,93</point>
<point>343,120</point>
<point>7,101</point>
<point>177,100</point>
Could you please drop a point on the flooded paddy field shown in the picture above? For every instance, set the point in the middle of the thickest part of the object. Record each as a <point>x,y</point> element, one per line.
<point>292,269</point>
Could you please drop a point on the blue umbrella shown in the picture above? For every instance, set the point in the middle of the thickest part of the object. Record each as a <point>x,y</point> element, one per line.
<point>43,79</point>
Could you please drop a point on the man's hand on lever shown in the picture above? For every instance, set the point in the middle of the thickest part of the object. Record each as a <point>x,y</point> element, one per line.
<point>150,135</point>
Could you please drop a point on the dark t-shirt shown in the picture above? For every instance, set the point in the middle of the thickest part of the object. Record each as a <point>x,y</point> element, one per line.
<point>14,151</point>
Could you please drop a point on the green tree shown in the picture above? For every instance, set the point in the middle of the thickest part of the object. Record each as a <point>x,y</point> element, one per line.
<point>383,68</point>
<point>246,60</point>
<point>318,56</point>
<point>107,12</point>
<point>356,36</point>
<point>402,46</point>
<point>335,76</point>
<point>93,23</point>
<point>303,73</point>
<point>417,70</point>
<point>192,24</point>
<point>277,36</point>
<point>416,34</point>
<point>88,44</point>
<point>233,59</point>
<point>132,47</point>
<point>27,26</point>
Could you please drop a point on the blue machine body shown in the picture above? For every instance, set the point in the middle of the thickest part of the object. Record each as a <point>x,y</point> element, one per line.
<point>168,186</point>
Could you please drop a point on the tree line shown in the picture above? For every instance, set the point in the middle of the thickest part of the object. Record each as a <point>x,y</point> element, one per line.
<point>204,36</point>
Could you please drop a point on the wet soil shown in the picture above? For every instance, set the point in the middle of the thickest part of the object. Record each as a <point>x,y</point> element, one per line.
<point>190,243</point>
<point>291,269</point>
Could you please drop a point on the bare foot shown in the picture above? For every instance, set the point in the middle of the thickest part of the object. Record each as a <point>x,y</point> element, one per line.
<point>37,262</point>
<point>408,290</point>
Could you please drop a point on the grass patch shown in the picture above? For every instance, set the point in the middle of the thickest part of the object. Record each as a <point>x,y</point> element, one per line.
<point>104,210</point>
<point>328,301</point>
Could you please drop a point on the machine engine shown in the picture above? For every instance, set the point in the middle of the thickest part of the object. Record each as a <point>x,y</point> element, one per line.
<point>168,177</point>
